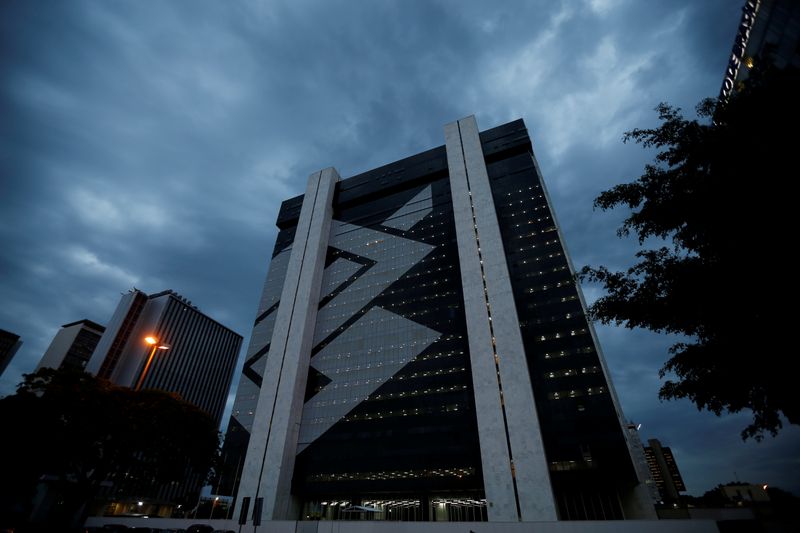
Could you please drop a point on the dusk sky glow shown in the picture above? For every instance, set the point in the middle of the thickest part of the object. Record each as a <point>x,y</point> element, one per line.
<point>150,144</point>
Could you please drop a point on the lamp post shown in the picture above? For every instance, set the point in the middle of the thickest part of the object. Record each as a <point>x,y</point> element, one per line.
<point>152,341</point>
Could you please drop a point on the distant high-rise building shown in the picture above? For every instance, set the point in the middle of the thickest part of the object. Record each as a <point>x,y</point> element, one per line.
<point>161,341</point>
<point>9,344</point>
<point>641,463</point>
<point>73,345</point>
<point>421,352</point>
<point>197,355</point>
<point>664,470</point>
<point>769,32</point>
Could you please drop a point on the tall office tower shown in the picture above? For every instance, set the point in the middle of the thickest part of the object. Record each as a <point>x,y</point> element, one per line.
<point>9,344</point>
<point>189,352</point>
<point>664,470</point>
<point>421,352</point>
<point>72,346</point>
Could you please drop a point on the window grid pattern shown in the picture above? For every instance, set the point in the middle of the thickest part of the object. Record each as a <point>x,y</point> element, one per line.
<point>580,429</point>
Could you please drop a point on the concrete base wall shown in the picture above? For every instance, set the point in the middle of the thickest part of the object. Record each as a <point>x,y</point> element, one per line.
<point>610,526</point>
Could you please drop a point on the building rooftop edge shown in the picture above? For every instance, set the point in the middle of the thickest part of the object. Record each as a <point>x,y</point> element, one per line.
<point>171,293</point>
<point>86,322</point>
<point>485,133</point>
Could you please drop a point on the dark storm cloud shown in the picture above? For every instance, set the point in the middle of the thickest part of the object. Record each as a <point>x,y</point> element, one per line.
<point>150,144</point>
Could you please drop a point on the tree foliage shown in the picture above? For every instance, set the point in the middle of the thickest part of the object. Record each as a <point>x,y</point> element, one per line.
<point>719,190</point>
<point>84,431</point>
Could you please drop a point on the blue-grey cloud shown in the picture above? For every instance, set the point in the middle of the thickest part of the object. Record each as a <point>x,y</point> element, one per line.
<point>151,144</point>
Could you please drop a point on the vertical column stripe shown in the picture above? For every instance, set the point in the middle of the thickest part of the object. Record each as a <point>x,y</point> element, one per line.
<point>483,249</point>
<point>272,446</point>
<point>495,457</point>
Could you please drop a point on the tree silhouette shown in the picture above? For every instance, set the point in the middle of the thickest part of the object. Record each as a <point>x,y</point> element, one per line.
<point>84,431</point>
<point>719,190</point>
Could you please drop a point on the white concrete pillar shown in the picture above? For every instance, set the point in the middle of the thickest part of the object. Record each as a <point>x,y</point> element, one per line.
<point>269,463</point>
<point>516,477</point>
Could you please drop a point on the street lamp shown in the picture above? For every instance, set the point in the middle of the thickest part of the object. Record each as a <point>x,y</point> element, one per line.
<point>152,341</point>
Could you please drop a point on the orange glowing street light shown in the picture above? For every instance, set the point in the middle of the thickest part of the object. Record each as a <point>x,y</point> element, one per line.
<point>152,341</point>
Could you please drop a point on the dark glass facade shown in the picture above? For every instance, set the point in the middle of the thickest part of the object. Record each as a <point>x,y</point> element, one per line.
<point>585,447</point>
<point>389,426</point>
<point>414,438</point>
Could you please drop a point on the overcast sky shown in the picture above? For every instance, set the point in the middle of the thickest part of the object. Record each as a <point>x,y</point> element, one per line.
<point>150,144</point>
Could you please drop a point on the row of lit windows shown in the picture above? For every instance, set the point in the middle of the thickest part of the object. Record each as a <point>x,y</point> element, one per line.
<point>393,243</point>
<point>386,396</point>
<point>522,249</point>
<point>537,258</point>
<point>427,234</point>
<point>575,393</point>
<point>520,190</point>
<point>433,355</point>
<point>522,236</point>
<point>437,355</point>
<point>520,201</point>
<point>375,503</point>
<point>538,273</point>
<point>428,373</point>
<point>536,207</point>
<point>457,501</point>
<point>565,353</point>
<point>524,213</point>
<point>518,212</point>
<point>573,372</point>
<point>533,246</point>
<point>419,392</point>
<point>561,334</point>
<point>366,366</point>
<point>416,411</point>
<point>548,286</point>
<point>393,474</point>
<point>427,273</point>
<point>345,355</point>
<point>556,318</point>
<point>523,223</point>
